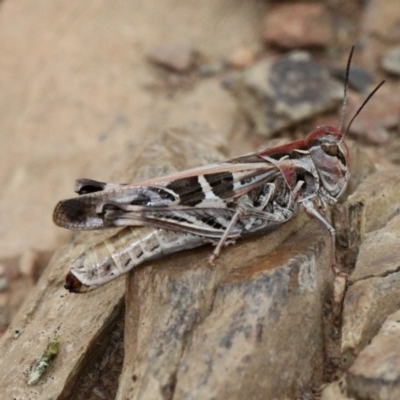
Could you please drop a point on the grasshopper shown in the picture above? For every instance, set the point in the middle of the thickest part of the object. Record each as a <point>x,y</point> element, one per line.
<point>217,203</point>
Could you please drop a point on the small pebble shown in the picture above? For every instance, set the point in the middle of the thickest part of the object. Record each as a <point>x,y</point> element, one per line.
<point>99,393</point>
<point>294,25</point>
<point>391,61</point>
<point>359,78</point>
<point>3,283</point>
<point>206,70</point>
<point>177,56</point>
<point>242,57</point>
<point>28,263</point>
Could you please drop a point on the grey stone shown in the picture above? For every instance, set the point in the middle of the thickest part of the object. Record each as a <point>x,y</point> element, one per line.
<point>176,56</point>
<point>374,290</point>
<point>391,61</point>
<point>335,391</point>
<point>375,373</point>
<point>374,202</point>
<point>276,94</point>
<point>234,330</point>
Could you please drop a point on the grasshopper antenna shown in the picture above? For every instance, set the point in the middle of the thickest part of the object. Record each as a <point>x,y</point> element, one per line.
<point>361,107</point>
<point>344,105</point>
<point>346,84</point>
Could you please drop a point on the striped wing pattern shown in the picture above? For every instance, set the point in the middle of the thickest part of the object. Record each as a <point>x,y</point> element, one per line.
<point>200,203</point>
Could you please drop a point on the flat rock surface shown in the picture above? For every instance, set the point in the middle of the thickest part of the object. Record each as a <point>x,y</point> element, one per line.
<point>376,372</point>
<point>81,321</point>
<point>369,208</point>
<point>374,290</point>
<point>250,317</point>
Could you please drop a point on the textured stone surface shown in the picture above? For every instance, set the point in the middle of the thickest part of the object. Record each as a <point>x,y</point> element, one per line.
<point>83,320</point>
<point>263,320</point>
<point>187,311</point>
<point>255,314</point>
<point>335,391</point>
<point>276,94</point>
<point>79,98</point>
<point>220,334</point>
<point>380,116</point>
<point>359,78</point>
<point>391,61</point>
<point>379,20</point>
<point>361,167</point>
<point>76,101</point>
<point>375,373</point>
<point>369,208</point>
<point>374,290</point>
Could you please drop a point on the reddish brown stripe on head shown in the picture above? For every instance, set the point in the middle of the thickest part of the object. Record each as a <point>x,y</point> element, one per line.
<point>321,134</point>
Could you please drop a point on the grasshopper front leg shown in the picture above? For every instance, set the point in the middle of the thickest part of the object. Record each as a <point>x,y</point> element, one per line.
<point>309,207</point>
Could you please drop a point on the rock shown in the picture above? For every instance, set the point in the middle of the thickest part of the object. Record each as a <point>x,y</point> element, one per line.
<point>11,273</point>
<point>339,290</point>
<point>379,24</point>
<point>242,57</point>
<point>99,393</point>
<point>369,208</point>
<point>235,330</point>
<point>3,284</point>
<point>335,391</point>
<point>374,289</point>
<point>378,257</point>
<point>391,61</point>
<point>28,264</point>
<point>359,78</point>
<point>5,317</point>
<point>4,281</point>
<point>82,321</point>
<point>375,373</point>
<point>232,331</point>
<point>208,104</point>
<point>176,56</point>
<point>295,25</point>
<point>361,167</point>
<point>276,94</point>
<point>373,123</point>
<point>210,69</point>
<point>259,311</point>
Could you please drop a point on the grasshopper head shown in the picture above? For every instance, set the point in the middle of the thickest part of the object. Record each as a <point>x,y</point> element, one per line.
<point>331,158</point>
<point>329,151</point>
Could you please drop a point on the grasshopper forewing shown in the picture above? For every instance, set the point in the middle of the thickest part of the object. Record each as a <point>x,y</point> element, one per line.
<point>218,203</point>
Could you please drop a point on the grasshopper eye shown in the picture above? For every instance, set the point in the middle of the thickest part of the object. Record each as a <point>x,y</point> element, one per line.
<point>331,149</point>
